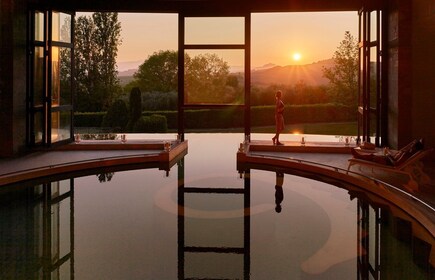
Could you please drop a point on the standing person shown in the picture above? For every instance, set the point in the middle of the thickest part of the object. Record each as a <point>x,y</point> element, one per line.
<point>279,117</point>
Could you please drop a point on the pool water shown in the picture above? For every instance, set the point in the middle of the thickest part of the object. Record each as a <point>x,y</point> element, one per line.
<point>204,220</point>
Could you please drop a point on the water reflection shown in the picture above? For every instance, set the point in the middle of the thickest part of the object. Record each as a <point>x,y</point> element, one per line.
<point>37,233</point>
<point>105,177</point>
<point>279,193</point>
<point>198,259</point>
<point>215,229</point>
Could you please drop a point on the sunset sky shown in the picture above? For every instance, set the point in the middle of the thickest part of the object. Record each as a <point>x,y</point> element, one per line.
<point>278,38</point>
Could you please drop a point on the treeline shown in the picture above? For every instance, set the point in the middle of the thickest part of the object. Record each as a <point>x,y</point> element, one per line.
<point>298,94</point>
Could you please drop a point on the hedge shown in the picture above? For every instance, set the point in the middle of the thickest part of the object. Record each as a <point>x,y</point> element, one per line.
<point>234,116</point>
<point>88,119</point>
<point>153,123</point>
<point>260,115</point>
<point>312,113</point>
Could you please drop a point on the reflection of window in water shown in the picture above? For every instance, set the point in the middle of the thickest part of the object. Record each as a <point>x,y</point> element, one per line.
<point>44,248</point>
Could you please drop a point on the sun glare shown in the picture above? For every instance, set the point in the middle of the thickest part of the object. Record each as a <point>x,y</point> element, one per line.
<point>297,56</point>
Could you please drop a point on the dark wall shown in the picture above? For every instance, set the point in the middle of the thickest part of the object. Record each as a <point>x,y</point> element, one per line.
<point>411,86</point>
<point>423,71</point>
<point>6,88</point>
<point>13,72</point>
<point>399,74</point>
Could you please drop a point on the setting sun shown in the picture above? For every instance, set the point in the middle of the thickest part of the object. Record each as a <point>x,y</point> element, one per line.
<point>297,56</point>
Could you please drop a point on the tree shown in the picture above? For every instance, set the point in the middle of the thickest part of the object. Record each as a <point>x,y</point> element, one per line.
<point>159,72</point>
<point>85,66</point>
<point>95,49</point>
<point>135,102</point>
<point>116,116</point>
<point>206,79</point>
<point>107,38</point>
<point>343,76</point>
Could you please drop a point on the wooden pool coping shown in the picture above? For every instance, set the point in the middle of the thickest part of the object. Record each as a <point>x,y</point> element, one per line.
<point>405,201</point>
<point>100,154</point>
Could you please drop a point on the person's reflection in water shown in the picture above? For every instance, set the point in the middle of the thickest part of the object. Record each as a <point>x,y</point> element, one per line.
<point>279,194</point>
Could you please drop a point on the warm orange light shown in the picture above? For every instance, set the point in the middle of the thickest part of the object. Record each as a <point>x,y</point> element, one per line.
<point>297,56</point>
<point>295,132</point>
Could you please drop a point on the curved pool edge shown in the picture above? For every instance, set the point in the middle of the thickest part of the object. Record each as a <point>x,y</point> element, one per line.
<point>59,162</point>
<point>416,208</point>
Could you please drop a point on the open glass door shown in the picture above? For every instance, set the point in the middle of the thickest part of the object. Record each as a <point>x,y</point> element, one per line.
<point>371,101</point>
<point>50,81</point>
<point>204,57</point>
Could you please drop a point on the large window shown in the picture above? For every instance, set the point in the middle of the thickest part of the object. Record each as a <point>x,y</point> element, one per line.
<point>214,56</point>
<point>50,81</point>
<point>214,63</point>
<point>371,101</point>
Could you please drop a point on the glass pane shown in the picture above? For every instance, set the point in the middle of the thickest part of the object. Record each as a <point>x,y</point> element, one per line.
<point>65,228</point>
<point>214,77</point>
<point>64,186</point>
<point>222,232</point>
<point>373,123</point>
<point>215,118</point>
<point>65,76</point>
<point>361,77</point>
<point>373,26</point>
<point>372,237</point>
<point>61,27</point>
<point>38,127</point>
<point>61,76</point>
<point>39,26</point>
<point>380,29</point>
<point>60,126</point>
<point>55,233</point>
<point>55,77</point>
<point>215,30</point>
<point>38,76</point>
<point>209,266</point>
<point>373,77</point>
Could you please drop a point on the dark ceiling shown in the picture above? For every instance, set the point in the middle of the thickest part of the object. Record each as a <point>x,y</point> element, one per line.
<point>207,7</point>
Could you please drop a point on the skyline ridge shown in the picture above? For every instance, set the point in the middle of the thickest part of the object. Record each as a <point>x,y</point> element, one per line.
<point>269,73</point>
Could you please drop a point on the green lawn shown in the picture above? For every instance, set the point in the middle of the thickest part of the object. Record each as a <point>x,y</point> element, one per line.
<point>347,128</point>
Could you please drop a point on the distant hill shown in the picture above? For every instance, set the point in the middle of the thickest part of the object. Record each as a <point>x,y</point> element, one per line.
<point>126,73</point>
<point>126,76</point>
<point>311,74</point>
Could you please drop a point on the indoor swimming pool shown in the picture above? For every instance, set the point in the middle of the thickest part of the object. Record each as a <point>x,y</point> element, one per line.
<point>205,220</point>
